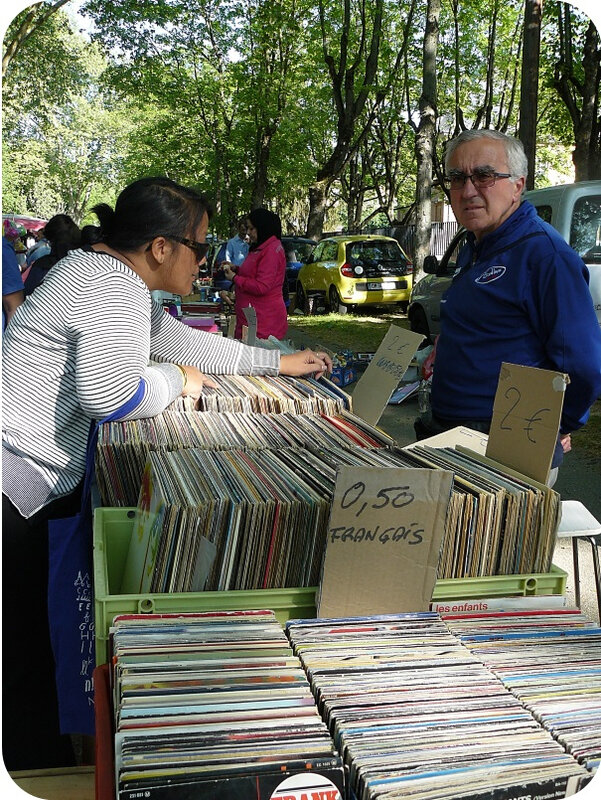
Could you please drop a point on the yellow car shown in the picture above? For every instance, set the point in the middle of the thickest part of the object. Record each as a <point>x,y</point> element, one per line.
<point>347,271</point>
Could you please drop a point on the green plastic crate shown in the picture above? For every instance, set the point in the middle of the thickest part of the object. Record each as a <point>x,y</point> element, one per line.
<point>112,532</point>
<point>553,582</point>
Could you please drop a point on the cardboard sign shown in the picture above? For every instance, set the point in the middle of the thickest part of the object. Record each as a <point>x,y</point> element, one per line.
<point>251,317</point>
<point>384,537</point>
<point>474,440</point>
<point>526,417</point>
<point>385,370</point>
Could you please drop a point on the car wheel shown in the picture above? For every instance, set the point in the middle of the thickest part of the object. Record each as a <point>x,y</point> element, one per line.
<point>418,321</point>
<point>335,303</point>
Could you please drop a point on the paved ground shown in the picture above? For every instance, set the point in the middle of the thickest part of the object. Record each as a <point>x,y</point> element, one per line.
<point>579,479</point>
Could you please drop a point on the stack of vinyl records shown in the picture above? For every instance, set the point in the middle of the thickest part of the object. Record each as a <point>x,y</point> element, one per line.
<point>212,706</point>
<point>498,522</point>
<point>123,447</point>
<point>273,395</point>
<point>415,715</point>
<point>260,518</point>
<point>551,661</point>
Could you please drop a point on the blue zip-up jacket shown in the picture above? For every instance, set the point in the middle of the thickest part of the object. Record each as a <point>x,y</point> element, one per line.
<point>521,296</point>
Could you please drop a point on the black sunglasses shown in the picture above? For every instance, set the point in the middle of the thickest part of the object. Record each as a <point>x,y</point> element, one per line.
<point>200,248</point>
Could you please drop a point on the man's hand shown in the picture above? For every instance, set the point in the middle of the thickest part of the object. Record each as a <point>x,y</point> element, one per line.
<point>228,270</point>
<point>566,442</point>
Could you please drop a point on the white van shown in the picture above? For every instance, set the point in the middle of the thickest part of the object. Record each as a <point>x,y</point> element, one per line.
<point>574,209</point>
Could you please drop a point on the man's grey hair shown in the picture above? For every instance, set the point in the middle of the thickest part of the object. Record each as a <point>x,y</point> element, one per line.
<point>517,163</point>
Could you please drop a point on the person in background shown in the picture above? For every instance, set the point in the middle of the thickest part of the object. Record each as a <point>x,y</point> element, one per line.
<point>63,235</point>
<point>236,248</point>
<point>90,234</point>
<point>40,247</point>
<point>259,280</point>
<point>12,283</point>
<point>231,253</point>
<point>520,294</point>
<point>89,343</point>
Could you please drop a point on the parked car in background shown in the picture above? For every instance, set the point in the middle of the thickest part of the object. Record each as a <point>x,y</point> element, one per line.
<point>347,271</point>
<point>424,305</point>
<point>213,252</point>
<point>574,209</point>
<point>297,249</point>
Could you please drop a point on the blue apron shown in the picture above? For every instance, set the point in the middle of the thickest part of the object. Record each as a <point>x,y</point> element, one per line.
<point>71,598</point>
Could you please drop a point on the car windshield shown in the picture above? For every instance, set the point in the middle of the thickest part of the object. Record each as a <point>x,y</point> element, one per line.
<point>376,251</point>
<point>298,251</point>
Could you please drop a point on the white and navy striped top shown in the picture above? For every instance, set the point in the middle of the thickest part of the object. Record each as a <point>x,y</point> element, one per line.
<point>76,351</point>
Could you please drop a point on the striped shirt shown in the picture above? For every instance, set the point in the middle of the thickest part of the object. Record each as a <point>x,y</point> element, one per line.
<point>76,351</point>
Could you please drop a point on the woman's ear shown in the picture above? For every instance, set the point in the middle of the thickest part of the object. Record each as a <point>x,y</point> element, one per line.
<point>159,248</point>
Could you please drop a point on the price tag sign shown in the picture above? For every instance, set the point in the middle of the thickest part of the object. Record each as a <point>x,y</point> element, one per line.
<point>384,372</point>
<point>526,417</point>
<point>384,538</point>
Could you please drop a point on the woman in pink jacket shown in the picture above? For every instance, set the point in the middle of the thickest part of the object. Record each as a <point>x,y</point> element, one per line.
<point>259,279</point>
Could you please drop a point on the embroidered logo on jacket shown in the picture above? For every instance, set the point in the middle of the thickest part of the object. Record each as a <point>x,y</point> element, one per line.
<point>491,274</point>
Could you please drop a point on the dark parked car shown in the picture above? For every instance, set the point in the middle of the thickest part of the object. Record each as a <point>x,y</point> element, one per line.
<point>424,305</point>
<point>297,249</point>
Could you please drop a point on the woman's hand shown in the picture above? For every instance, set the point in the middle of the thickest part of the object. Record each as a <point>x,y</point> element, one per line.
<point>195,380</point>
<point>305,362</point>
<point>228,270</point>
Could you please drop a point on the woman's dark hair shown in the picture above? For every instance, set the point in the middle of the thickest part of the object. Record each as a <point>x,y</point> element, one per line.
<point>267,224</point>
<point>148,208</point>
<point>63,235</point>
<point>90,234</point>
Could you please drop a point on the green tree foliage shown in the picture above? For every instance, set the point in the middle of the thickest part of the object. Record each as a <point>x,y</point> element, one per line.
<point>261,101</point>
<point>62,140</point>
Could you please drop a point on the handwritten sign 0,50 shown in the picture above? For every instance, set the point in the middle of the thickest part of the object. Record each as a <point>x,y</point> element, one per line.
<point>383,541</point>
<point>371,525</point>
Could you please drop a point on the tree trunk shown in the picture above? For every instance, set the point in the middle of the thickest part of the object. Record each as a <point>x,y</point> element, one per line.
<point>350,70</point>
<point>34,19</point>
<point>261,170</point>
<point>529,84</point>
<point>581,97</point>
<point>425,139</point>
<point>318,195</point>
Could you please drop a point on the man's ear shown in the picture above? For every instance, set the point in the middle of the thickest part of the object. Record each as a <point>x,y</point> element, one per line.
<point>519,184</point>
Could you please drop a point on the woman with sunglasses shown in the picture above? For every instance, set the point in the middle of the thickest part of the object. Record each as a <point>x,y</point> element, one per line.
<point>90,344</point>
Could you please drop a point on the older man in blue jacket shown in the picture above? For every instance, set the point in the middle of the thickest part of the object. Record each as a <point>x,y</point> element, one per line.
<point>520,294</point>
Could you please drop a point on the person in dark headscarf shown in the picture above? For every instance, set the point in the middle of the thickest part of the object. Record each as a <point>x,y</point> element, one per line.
<point>259,279</point>
<point>63,235</point>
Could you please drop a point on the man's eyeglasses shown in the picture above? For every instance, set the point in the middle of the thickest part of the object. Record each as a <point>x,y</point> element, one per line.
<point>481,178</point>
<point>200,248</point>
